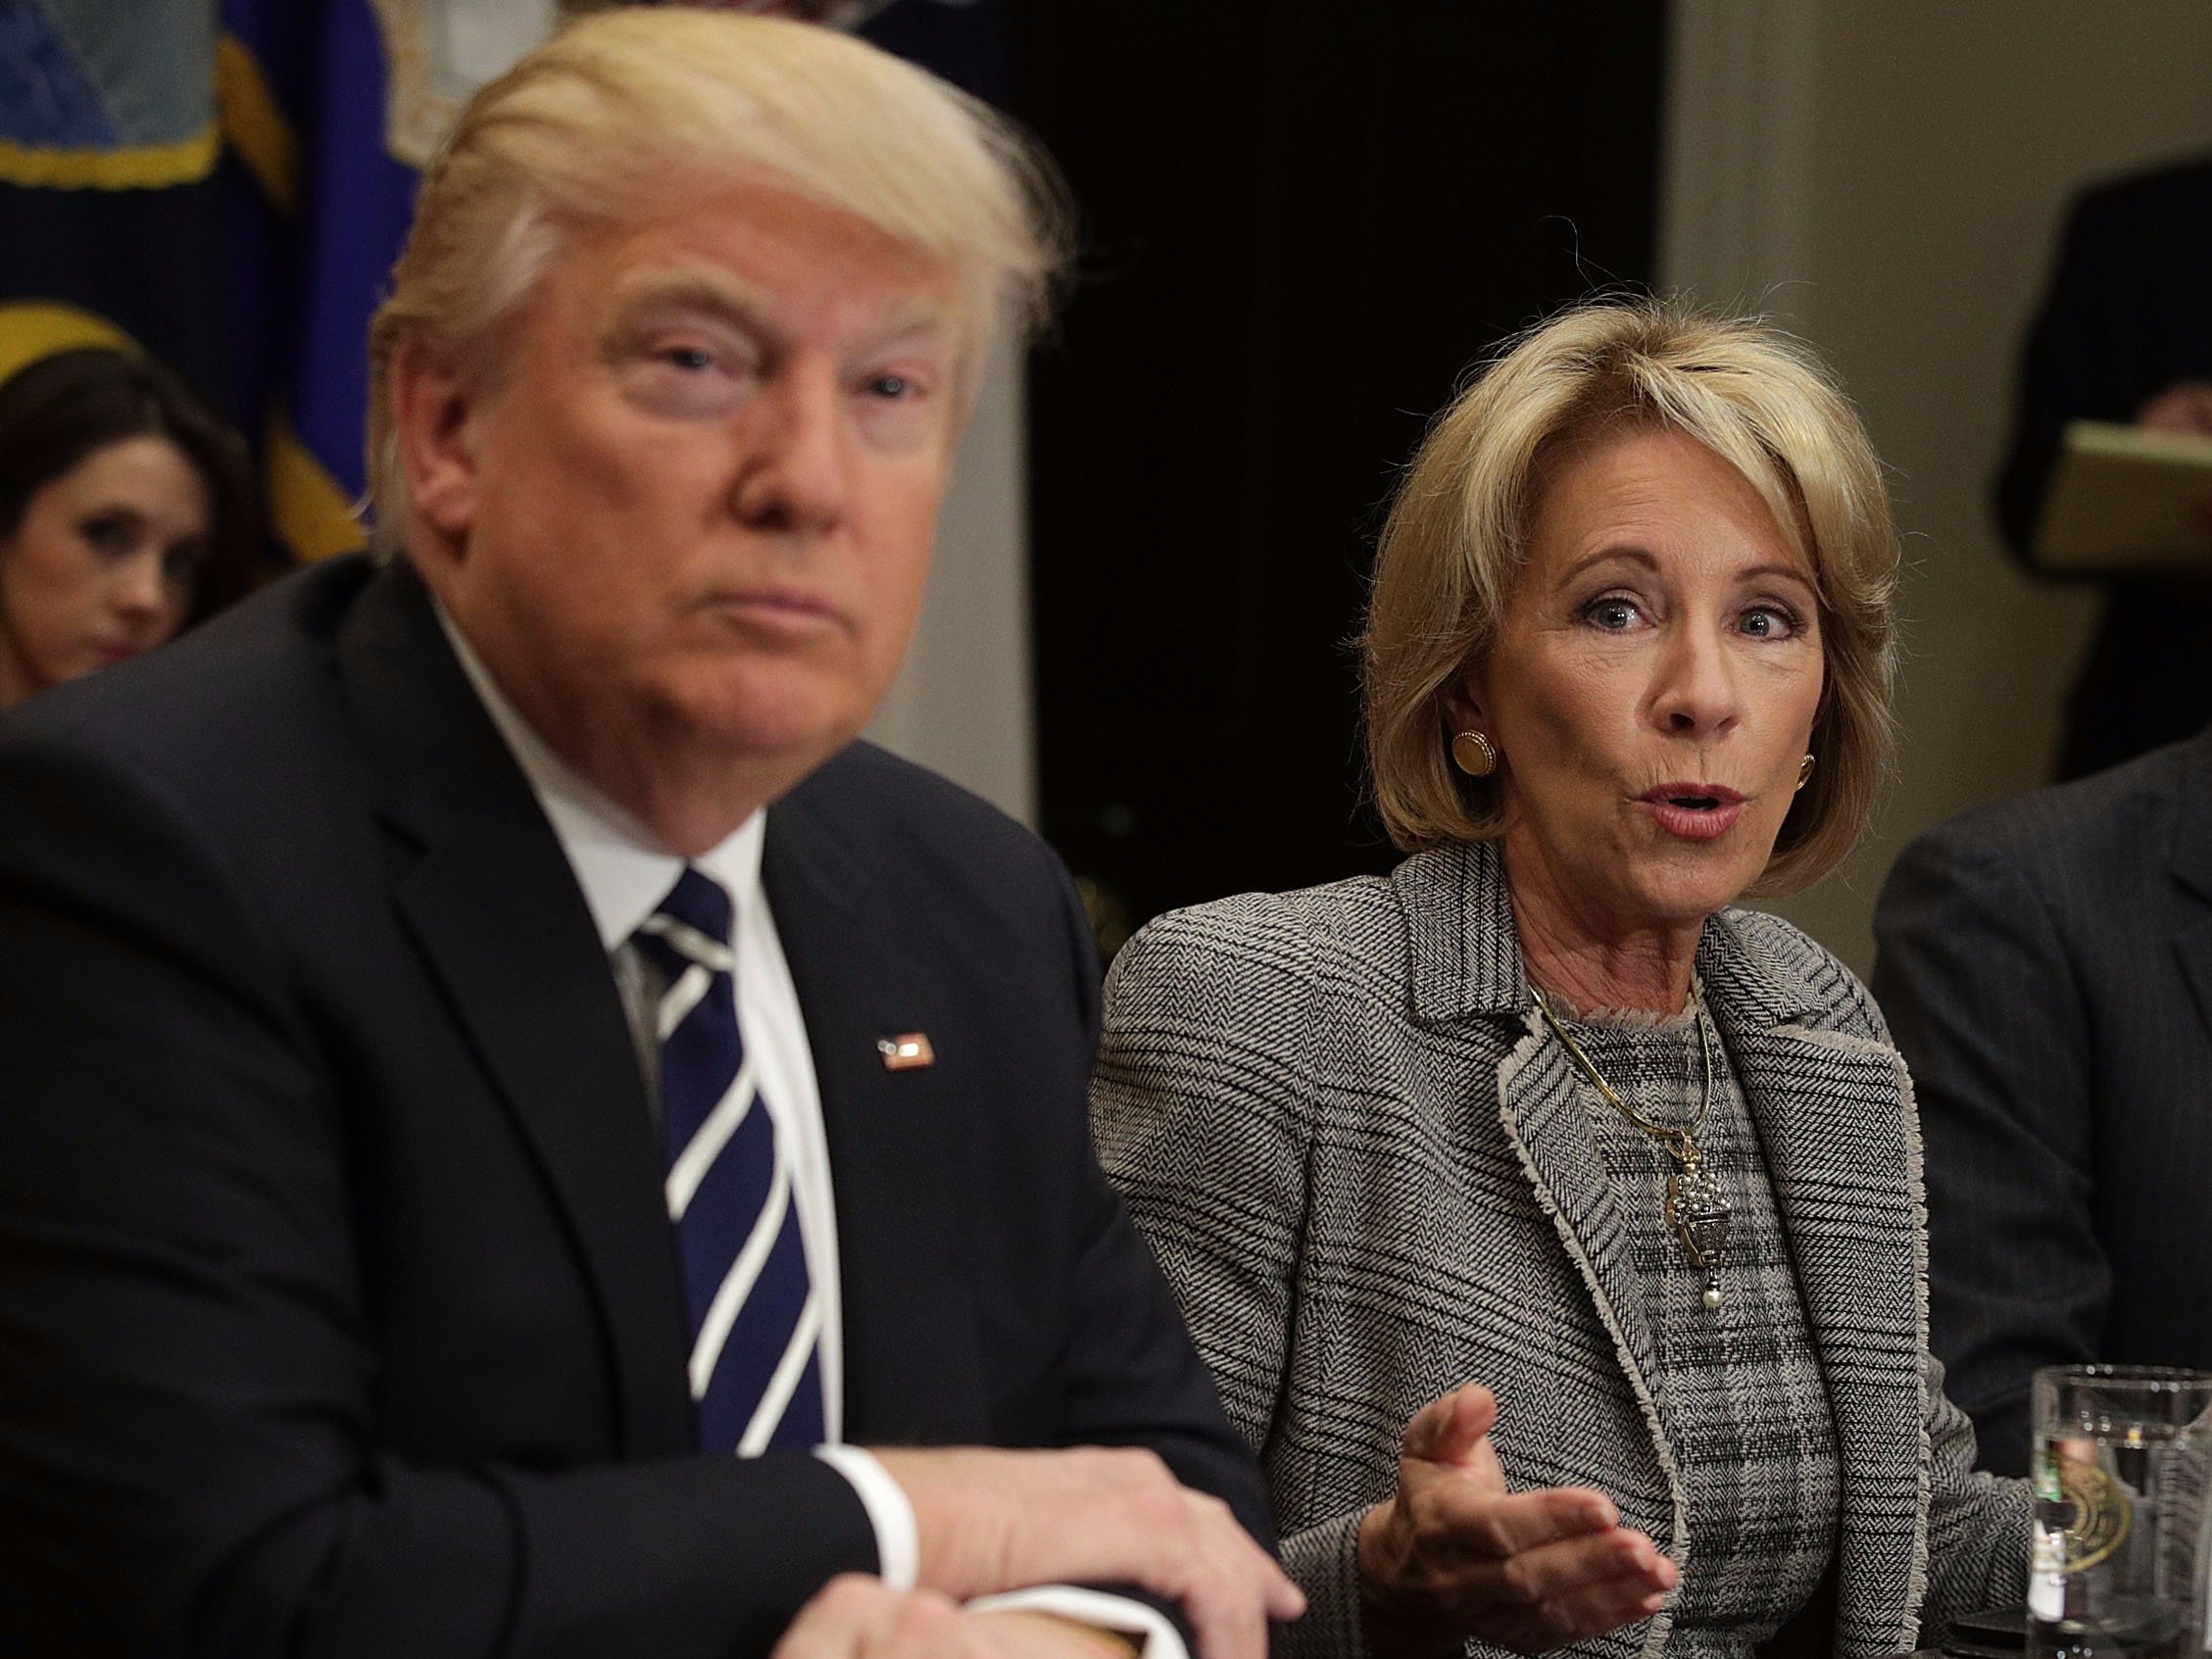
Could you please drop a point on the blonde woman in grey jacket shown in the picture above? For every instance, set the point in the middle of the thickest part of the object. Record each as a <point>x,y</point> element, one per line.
<point>1551,1225</point>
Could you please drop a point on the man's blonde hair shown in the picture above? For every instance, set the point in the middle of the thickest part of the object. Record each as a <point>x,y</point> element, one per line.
<point>1456,539</point>
<point>627,114</point>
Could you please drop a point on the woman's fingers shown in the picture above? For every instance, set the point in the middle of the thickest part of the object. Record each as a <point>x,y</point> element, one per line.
<point>1502,1527</point>
<point>1567,1591</point>
<point>1456,1554</point>
<point>1450,1429</point>
<point>1592,1567</point>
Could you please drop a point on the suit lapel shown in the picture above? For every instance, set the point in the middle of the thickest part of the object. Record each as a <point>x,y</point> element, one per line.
<point>1834,1119</point>
<point>2192,871</point>
<point>912,1357</point>
<point>482,884</point>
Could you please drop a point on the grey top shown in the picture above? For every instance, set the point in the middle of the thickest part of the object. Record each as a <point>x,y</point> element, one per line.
<point>1737,1384</point>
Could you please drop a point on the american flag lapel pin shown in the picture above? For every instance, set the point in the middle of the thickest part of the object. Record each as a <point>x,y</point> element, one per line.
<point>910,1051</point>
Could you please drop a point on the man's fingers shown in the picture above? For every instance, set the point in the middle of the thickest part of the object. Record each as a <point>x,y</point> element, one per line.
<point>1448,1429</point>
<point>991,1521</point>
<point>1234,1586</point>
<point>857,1617</point>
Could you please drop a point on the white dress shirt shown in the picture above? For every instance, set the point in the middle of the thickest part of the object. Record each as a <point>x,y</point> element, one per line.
<point>624,874</point>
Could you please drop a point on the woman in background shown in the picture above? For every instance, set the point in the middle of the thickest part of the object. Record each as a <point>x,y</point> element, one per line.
<point>125,513</point>
<point>1543,1109</point>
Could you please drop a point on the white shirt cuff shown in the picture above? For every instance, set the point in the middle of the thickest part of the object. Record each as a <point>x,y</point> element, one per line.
<point>1157,1635</point>
<point>898,1546</point>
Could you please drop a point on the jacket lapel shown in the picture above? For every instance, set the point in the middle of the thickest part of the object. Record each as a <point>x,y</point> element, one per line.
<point>1545,1117</point>
<point>912,1356</point>
<point>2192,871</point>
<point>1828,1108</point>
<point>1465,961</point>
<point>481,882</point>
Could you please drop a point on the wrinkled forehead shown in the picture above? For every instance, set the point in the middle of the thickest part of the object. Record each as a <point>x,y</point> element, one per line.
<point>1767,475</point>
<point>765,259</point>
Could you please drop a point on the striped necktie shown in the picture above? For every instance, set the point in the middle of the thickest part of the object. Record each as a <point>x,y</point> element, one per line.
<point>756,1321</point>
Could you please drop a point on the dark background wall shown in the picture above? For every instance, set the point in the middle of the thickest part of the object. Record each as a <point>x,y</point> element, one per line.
<point>1302,222</point>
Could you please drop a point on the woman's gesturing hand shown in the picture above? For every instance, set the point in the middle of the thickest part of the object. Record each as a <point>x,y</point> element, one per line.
<point>1456,1554</point>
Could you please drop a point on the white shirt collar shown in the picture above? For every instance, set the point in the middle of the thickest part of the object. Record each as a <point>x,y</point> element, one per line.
<point>622,868</point>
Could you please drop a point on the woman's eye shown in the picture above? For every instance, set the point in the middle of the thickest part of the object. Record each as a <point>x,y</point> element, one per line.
<point>693,359</point>
<point>1614,615</point>
<point>185,563</point>
<point>109,537</point>
<point>1768,622</point>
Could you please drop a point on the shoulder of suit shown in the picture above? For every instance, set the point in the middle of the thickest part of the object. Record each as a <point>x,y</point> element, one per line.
<point>237,693</point>
<point>1804,971</point>
<point>1302,929</point>
<point>1330,959</point>
<point>884,813</point>
<point>2185,187</point>
<point>2122,820</point>
<point>864,783</point>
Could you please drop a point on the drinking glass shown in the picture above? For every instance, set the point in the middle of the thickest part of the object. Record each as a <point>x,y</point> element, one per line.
<point>2119,1470</point>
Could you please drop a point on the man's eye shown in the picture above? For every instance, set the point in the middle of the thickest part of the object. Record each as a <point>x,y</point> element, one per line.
<point>891,386</point>
<point>691,359</point>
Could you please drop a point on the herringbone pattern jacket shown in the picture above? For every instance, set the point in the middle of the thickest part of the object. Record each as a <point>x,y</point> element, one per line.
<point>1371,1178</point>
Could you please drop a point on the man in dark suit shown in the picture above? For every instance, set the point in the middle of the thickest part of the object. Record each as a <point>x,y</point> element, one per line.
<point>2045,966</point>
<point>482,1043</point>
<point>2124,336</point>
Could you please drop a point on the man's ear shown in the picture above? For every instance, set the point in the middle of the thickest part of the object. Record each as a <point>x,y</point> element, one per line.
<point>433,409</point>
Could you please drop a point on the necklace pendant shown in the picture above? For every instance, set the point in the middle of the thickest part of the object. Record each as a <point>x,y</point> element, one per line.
<point>1698,1215</point>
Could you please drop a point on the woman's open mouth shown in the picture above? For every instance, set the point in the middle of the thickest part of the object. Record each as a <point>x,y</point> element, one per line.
<point>1693,810</point>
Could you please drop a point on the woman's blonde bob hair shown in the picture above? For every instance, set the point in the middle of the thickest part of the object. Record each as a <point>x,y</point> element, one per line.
<point>637,112</point>
<point>1457,538</point>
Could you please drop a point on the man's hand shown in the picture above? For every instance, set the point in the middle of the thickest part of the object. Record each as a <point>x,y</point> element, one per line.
<point>857,1617</point>
<point>2184,407</point>
<point>989,1521</point>
<point>1455,1555</point>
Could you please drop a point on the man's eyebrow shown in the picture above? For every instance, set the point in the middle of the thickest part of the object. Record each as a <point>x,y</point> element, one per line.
<point>904,315</point>
<point>914,313</point>
<point>687,290</point>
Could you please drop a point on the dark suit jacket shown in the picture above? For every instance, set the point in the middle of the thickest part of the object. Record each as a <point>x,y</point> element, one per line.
<point>339,1312</point>
<point>2125,319</point>
<point>2045,964</point>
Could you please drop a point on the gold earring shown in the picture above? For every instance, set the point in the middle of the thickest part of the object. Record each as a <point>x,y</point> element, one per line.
<point>1474,753</point>
<point>1805,772</point>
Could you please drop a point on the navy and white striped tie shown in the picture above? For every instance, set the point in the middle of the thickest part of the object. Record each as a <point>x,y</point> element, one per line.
<point>755,1320</point>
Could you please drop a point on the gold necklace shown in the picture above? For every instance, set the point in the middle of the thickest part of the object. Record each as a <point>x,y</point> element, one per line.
<point>1695,1208</point>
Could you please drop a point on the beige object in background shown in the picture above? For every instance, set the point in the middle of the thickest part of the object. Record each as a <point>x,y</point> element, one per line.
<point>2125,499</point>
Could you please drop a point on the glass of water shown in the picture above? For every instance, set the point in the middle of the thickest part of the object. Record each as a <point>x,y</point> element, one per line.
<point>2120,1461</point>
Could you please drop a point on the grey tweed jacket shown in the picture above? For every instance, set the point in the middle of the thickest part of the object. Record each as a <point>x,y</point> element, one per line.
<point>1369,1175</point>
